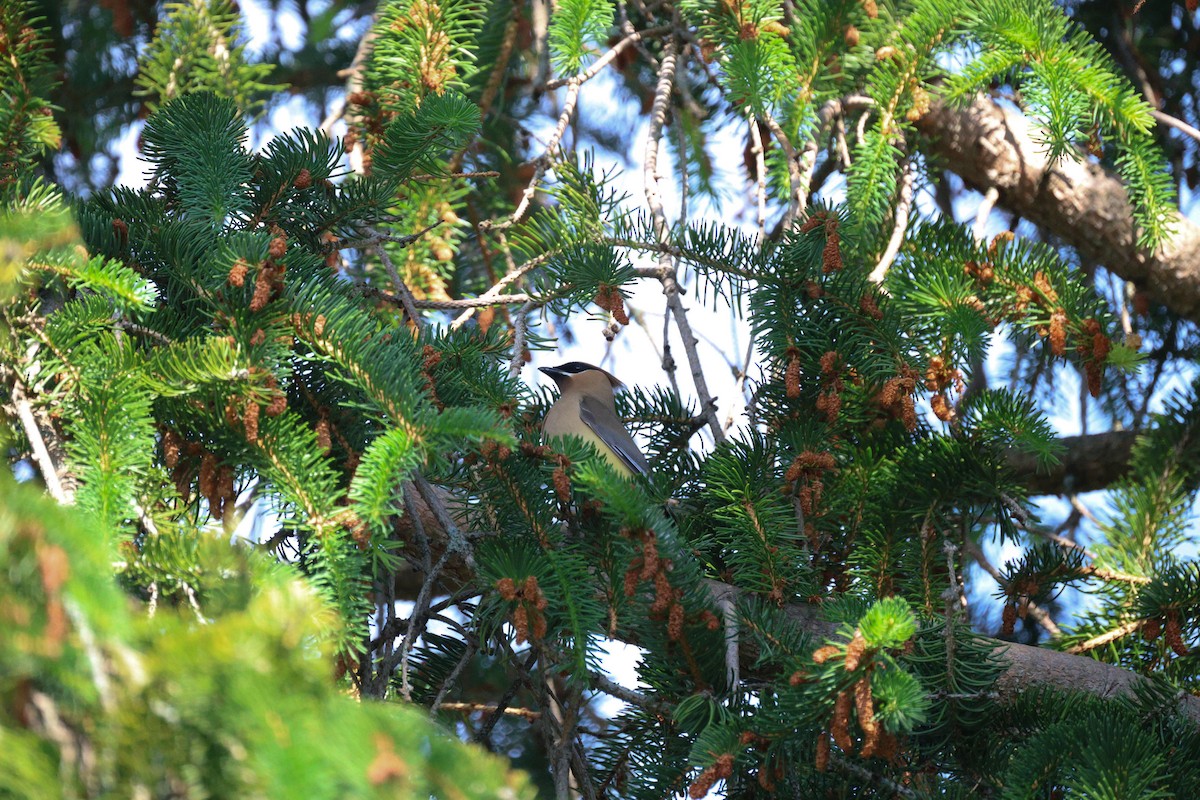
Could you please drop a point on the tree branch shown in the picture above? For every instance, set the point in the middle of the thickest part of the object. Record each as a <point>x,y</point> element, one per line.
<point>670,284</point>
<point>1028,667</point>
<point>990,146</point>
<point>43,438</point>
<point>1088,463</point>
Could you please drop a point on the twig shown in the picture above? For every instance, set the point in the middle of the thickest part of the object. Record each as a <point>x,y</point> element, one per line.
<point>681,145</point>
<point>515,273</point>
<point>1104,638</point>
<point>801,173</point>
<point>401,289</point>
<point>903,206</point>
<point>1083,510</point>
<point>760,167</point>
<point>473,303</point>
<point>190,594</point>
<point>559,729</point>
<point>485,730</point>
<point>416,622</point>
<point>953,596</point>
<point>668,360</point>
<point>95,658</point>
<point>1020,515</point>
<point>542,163</point>
<point>797,185</point>
<point>353,76</point>
<point>519,323</point>
<point>491,708</point>
<point>729,616</point>
<point>1126,294</point>
<point>490,90</point>
<point>1037,612</point>
<point>740,384</point>
<point>984,211</point>
<point>605,684</point>
<point>1103,573</point>
<point>608,57</point>
<point>41,455</point>
<point>452,678</point>
<point>821,174</point>
<point>142,330</point>
<point>486,173</point>
<point>374,238</point>
<point>1115,575</point>
<point>420,612</point>
<point>457,542</point>
<point>1175,123</point>
<point>581,782</point>
<point>658,117</point>
<point>864,774</point>
<point>843,147</point>
<point>144,518</point>
<point>50,724</point>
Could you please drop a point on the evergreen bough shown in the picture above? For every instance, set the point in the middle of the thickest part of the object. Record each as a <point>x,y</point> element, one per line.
<point>252,328</point>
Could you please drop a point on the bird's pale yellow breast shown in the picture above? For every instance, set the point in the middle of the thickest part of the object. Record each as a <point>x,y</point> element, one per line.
<point>563,420</point>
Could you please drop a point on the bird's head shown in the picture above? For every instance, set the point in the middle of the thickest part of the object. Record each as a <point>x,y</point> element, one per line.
<point>577,373</point>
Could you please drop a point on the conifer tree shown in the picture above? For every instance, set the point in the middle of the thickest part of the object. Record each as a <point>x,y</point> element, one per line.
<point>335,329</point>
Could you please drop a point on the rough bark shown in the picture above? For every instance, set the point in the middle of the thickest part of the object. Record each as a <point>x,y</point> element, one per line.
<point>988,145</point>
<point>1025,667</point>
<point>1088,463</point>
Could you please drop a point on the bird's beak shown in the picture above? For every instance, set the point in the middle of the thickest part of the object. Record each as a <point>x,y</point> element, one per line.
<point>553,372</point>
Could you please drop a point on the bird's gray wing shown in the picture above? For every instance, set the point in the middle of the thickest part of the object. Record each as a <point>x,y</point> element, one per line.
<point>604,423</point>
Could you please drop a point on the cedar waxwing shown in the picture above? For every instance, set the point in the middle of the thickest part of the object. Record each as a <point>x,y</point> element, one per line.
<point>586,409</point>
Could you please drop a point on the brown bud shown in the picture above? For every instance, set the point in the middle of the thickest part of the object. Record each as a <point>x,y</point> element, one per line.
<point>562,486</point>
<point>1058,332</point>
<point>855,651</point>
<point>262,290</point>
<point>237,273</point>
<point>1008,620</point>
<point>323,440</point>
<point>942,408</point>
<point>171,446</point>
<point>250,420</point>
<point>1042,284</point>
<point>791,378</point>
<point>864,705</point>
<point>507,589</point>
<point>831,255</point>
<point>823,752</point>
<point>1174,635</point>
<point>869,307</point>
<point>840,725</point>
<point>823,654</point>
<point>675,622</point>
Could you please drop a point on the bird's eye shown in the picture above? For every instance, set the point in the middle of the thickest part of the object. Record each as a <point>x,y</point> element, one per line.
<point>575,367</point>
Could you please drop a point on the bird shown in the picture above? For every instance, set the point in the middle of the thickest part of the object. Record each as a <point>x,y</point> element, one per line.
<point>586,408</point>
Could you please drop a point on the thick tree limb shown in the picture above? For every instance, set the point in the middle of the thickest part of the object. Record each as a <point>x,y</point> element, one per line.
<point>1028,667</point>
<point>989,146</point>
<point>1088,463</point>
<point>1025,667</point>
